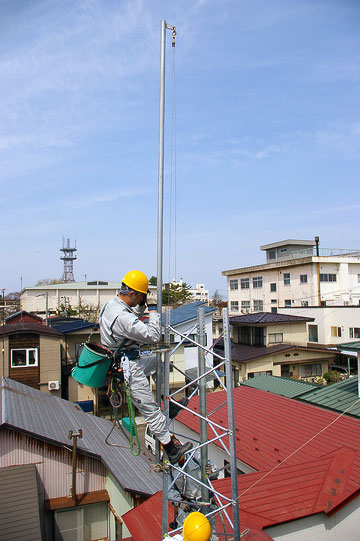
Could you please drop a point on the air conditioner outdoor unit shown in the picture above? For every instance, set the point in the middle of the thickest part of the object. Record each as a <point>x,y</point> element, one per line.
<point>53,385</point>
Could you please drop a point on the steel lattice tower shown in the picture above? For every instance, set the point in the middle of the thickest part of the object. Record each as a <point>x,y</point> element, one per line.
<point>68,258</point>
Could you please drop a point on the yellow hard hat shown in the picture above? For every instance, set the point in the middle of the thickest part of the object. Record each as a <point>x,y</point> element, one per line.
<point>196,527</point>
<point>137,281</point>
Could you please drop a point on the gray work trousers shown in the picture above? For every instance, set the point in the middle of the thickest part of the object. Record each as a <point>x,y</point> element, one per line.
<point>142,397</point>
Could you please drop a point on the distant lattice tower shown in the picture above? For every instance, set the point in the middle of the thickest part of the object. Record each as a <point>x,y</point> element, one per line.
<point>68,258</point>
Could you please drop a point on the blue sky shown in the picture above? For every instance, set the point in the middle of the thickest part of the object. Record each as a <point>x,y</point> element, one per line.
<point>262,101</point>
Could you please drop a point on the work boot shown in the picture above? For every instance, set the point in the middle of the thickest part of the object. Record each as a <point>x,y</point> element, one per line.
<point>174,409</point>
<point>175,450</point>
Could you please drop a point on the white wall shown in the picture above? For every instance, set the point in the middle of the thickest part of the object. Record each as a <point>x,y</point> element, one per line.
<point>342,526</point>
<point>327,317</point>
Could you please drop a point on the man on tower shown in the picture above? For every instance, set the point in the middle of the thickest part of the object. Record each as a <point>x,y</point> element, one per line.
<point>123,331</point>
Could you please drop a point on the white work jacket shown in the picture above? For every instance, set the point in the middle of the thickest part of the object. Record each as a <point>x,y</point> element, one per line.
<point>118,322</point>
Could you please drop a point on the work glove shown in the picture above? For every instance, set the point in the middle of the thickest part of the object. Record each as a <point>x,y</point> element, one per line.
<point>185,507</point>
<point>208,469</point>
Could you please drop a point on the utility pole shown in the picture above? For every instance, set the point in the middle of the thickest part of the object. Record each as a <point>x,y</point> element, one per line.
<point>160,221</point>
<point>74,436</point>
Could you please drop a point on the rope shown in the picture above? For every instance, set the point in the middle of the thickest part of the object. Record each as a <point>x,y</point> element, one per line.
<point>133,427</point>
<point>298,449</point>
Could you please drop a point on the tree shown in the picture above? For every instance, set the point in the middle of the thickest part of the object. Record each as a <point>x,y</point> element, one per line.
<point>49,281</point>
<point>176,294</point>
<point>216,299</point>
<point>153,281</point>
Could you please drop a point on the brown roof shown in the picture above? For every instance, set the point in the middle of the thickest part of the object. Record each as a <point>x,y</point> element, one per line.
<point>266,318</point>
<point>35,328</point>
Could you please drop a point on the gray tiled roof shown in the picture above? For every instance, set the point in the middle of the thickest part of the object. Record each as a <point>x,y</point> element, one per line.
<point>19,504</point>
<point>288,387</point>
<point>265,318</point>
<point>50,418</point>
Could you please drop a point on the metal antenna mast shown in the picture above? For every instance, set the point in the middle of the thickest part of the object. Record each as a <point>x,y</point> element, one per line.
<point>68,258</point>
<point>204,371</point>
<point>160,223</point>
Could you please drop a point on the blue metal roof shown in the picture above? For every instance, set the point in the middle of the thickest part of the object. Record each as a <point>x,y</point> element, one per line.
<point>187,312</point>
<point>50,418</point>
<point>71,326</point>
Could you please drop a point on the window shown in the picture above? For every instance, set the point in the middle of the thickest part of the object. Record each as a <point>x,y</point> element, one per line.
<point>234,284</point>
<point>287,303</point>
<point>276,338</point>
<point>303,278</point>
<point>257,281</point>
<point>273,310</point>
<point>327,277</point>
<point>358,277</point>
<point>304,303</point>
<point>258,306</point>
<point>254,374</point>
<point>245,305</point>
<point>24,357</point>
<point>245,283</point>
<point>272,254</point>
<point>323,303</point>
<point>285,370</point>
<point>234,306</point>
<point>283,250</point>
<point>313,333</point>
<point>308,370</point>
<point>273,287</point>
<point>354,332</point>
<point>88,522</point>
<point>286,278</point>
<point>273,301</point>
<point>336,331</point>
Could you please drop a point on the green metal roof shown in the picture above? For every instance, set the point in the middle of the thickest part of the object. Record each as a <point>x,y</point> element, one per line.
<point>349,346</point>
<point>339,396</point>
<point>288,387</point>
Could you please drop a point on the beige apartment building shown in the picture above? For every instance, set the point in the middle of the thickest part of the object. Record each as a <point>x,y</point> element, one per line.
<point>296,273</point>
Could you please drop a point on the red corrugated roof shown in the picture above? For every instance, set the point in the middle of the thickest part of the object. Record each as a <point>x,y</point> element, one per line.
<point>268,498</point>
<point>273,497</point>
<point>270,427</point>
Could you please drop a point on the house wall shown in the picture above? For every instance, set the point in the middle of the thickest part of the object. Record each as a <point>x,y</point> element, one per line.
<point>53,464</point>
<point>345,317</point>
<point>343,525</point>
<point>4,365</point>
<point>294,358</point>
<point>29,375</point>
<point>78,392</point>
<point>121,502</point>
<point>50,364</point>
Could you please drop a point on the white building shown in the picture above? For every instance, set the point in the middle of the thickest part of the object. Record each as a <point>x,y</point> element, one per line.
<point>295,274</point>
<point>93,294</point>
<point>199,293</point>
<point>331,325</point>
